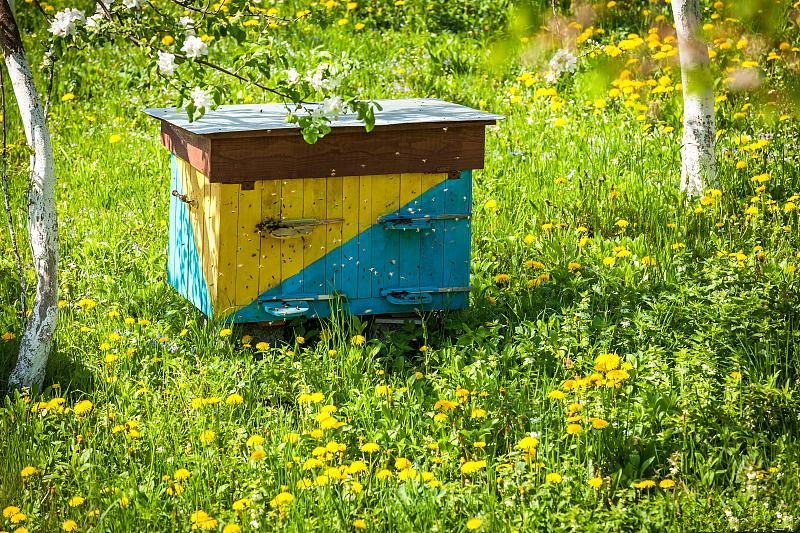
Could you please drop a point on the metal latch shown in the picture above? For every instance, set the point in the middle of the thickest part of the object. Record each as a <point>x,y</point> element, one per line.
<point>286,229</point>
<point>405,222</point>
<point>420,296</point>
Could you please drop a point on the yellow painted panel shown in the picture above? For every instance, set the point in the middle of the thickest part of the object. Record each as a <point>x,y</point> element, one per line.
<point>350,190</point>
<point>365,220</point>
<point>315,243</point>
<point>226,199</point>
<point>291,248</point>
<point>270,261</point>
<point>431,180</point>
<point>333,235</point>
<point>411,188</point>
<point>350,212</point>
<point>192,185</point>
<point>224,220</point>
<point>385,245</point>
<point>211,201</point>
<point>248,245</point>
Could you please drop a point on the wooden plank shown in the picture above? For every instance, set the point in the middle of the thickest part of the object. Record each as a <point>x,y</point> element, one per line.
<point>314,244</point>
<point>195,149</point>
<point>350,250</point>
<point>193,185</point>
<point>269,275</point>
<point>174,272</point>
<point>385,243</point>
<point>432,238</point>
<point>365,221</point>
<point>291,248</point>
<point>333,236</point>
<point>342,153</point>
<point>228,226</point>
<point>210,259</point>
<point>409,240</point>
<point>457,239</point>
<point>248,243</point>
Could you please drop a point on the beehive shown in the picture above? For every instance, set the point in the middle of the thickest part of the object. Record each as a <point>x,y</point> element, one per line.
<point>264,226</point>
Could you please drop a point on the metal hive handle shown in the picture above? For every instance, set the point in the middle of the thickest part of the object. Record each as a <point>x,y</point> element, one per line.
<point>183,198</point>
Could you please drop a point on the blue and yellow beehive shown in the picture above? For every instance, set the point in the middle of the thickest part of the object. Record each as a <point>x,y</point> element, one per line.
<point>265,227</point>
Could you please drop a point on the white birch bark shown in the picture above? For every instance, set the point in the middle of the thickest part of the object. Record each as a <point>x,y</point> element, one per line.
<point>698,158</point>
<point>37,336</point>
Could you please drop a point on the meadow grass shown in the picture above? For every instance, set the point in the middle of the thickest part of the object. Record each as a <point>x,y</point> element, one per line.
<point>617,334</point>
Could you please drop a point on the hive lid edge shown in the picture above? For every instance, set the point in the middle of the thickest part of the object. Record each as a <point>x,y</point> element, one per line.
<point>272,117</point>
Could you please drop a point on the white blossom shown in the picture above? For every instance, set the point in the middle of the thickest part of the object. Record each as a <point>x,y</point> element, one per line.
<point>166,63</point>
<point>188,25</point>
<point>200,98</point>
<point>562,61</point>
<point>93,22</point>
<point>133,4</point>
<point>292,76</point>
<point>66,22</point>
<point>318,80</point>
<point>331,108</point>
<point>194,47</point>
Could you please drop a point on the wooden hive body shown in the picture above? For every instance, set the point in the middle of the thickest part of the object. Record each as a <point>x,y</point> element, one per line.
<point>255,238</point>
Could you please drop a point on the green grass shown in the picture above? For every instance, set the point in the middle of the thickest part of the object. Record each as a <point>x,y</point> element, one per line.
<point>710,401</point>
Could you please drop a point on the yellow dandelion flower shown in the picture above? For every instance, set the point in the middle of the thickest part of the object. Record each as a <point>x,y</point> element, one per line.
<point>573,429</point>
<point>553,478</point>
<point>370,447</point>
<point>595,482</point>
<point>240,505</point>
<point>473,523</point>
<point>207,436</point>
<point>234,399</point>
<point>76,501</point>
<point>528,444</point>
<point>358,340</point>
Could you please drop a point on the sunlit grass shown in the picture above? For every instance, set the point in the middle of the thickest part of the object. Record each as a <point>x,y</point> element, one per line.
<point>582,247</point>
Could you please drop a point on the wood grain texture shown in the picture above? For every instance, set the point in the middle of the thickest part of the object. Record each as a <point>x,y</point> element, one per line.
<point>270,256</point>
<point>187,146</point>
<point>341,153</point>
<point>248,243</point>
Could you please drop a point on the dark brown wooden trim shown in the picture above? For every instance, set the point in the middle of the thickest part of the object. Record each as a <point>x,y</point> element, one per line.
<point>343,152</point>
<point>293,132</point>
<point>190,147</point>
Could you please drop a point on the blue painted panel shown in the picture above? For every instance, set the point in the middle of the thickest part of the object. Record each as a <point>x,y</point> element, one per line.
<point>457,238</point>
<point>333,237</point>
<point>173,266</point>
<point>360,306</point>
<point>365,270</point>
<point>185,271</point>
<point>432,244</point>
<point>349,248</point>
<point>457,196</point>
<point>385,244</point>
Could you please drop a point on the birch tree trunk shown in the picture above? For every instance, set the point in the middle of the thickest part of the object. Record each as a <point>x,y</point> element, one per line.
<point>698,158</point>
<point>37,336</point>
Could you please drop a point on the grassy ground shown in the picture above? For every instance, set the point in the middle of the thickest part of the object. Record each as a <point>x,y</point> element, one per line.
<point>628,361</point>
